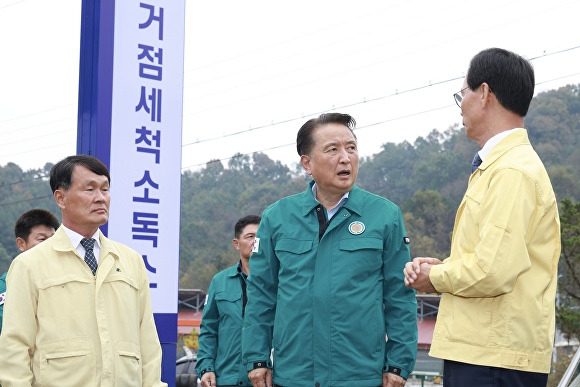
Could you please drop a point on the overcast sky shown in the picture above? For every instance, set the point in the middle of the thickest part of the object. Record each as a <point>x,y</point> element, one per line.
<point>255,71</point>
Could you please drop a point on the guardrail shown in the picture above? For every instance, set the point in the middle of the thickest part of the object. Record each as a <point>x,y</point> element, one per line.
<point>570,372</point>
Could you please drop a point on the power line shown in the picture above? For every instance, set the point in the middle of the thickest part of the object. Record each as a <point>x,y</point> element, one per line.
<point>37,113</point>
<point>356,129</point>
<point>10,5</point>
<point>296,38</point>
<point>362,127</point>
<point>5,184</point>
<point>25,200</point>
<point>358,103</point>
<point>322,111</point>
<point>557,79</point>
<point>409,90</point>
<point>327,60</point>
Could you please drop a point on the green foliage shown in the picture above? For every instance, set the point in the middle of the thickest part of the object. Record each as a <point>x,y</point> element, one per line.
<point>431,163</point>
<point>212,201</point>
<point>553,123</point>
<point>426,179</point>
<point>429,219</point>
<point>568,313</point>
<point>19,192</point>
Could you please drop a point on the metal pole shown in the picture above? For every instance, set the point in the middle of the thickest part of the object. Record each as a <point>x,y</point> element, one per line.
<point>570,370</point>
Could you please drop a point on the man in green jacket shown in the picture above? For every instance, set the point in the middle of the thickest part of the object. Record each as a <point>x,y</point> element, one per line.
<point>31,228</point>
<point>496,318</point>
<point>219,358</point>
<point>326,283</point>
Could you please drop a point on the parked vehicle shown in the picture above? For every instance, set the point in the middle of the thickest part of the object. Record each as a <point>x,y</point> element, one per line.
<point>185,368</point>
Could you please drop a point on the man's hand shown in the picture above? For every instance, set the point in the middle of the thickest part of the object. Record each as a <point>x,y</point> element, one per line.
<point>392,380</point>
<point>261,377</point>
<point>208,380</point>
<point>417,274</point>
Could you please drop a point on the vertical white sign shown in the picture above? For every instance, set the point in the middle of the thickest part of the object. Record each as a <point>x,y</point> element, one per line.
<point>145,159</point>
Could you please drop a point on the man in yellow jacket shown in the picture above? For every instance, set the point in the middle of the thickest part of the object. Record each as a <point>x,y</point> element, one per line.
<point>495,325</point>
<point>78,311</point>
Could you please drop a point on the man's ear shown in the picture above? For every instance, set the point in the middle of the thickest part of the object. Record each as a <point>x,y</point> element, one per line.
<point>59,197</point>
<point>21,244</point>
<point>236,243</point>
<point>305,162</point>
<point>486,94</point>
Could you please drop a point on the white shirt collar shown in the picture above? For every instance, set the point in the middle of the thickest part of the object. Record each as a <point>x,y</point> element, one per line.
<point>334,209</point>
<point>483,152</point>
<point>75,239</point>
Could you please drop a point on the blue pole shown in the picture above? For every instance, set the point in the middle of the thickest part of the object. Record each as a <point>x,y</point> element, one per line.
<point>94,128</point>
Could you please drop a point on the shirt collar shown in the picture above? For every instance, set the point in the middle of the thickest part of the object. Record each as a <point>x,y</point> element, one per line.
<point>240,271</point>
<point>75,237</point>
<point>483,152</point>
<point>334,209</point>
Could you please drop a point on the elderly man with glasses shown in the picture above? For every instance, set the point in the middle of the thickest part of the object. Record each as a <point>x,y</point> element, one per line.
<point>495,325</point>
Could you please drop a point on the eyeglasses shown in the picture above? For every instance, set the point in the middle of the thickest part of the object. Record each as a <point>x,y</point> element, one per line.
<point>458,97</point>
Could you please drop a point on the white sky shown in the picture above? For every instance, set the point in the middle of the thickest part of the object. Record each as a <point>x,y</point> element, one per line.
<point>269,66</point>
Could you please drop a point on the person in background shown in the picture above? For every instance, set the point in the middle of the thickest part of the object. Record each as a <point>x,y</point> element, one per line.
<point>31,228</point>
<point>74,321</point>
<point>219,358</point>
<point>495,325</point>
<point>326,277</point>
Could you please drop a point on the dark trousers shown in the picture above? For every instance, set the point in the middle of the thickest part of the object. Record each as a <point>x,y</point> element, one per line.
<point>457,374</point>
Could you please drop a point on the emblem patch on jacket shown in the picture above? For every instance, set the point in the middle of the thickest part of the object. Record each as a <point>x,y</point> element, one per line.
<point>407,240</point>
<point>356,228</point>
<point>2,298</point>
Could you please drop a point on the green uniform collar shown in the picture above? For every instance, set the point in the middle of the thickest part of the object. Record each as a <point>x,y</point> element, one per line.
<point>354,204</point>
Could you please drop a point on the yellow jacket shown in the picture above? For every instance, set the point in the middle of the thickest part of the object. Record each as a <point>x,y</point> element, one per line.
<point>498,285</point>
<point>64,327</point>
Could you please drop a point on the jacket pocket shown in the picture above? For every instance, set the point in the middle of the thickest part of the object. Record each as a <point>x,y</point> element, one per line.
<point>294,246</point>
<point>294,257</point>
<point>359,256</point>
<point>67,362</point>
<point>128,370</point>
<point>354,244</point>
<point>229,305</point>
<point>125,291</point>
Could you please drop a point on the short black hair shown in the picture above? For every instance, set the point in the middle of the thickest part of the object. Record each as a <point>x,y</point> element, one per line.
<point>509,76</point>
<point>61,172</point>
<point>32,218</point>
<point>243,222</point>
<point>305,140</point>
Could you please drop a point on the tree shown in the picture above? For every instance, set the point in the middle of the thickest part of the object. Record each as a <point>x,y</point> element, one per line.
<point>568,313</point>
<point>428,220</point>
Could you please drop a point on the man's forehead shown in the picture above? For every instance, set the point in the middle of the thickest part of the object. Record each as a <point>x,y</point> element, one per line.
<point>42,229</point>
<point>83,175</point>
<point>334,132</point>
<point>250,228</point>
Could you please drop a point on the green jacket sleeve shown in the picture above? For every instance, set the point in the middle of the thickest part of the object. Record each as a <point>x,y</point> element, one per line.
<point>399,302</point>
<point>261,307</point>
<point>208,334</point>
<point>2,297</point>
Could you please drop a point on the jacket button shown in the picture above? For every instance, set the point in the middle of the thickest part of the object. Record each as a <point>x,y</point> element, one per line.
<point>316,384</point>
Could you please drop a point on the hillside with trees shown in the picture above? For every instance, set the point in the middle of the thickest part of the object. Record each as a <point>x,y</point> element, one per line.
<point>426,178</point>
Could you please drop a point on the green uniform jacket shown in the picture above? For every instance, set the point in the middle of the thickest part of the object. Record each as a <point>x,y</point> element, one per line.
<point>2,296</point>
<point>220,337</point>
<point>325,306</point>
